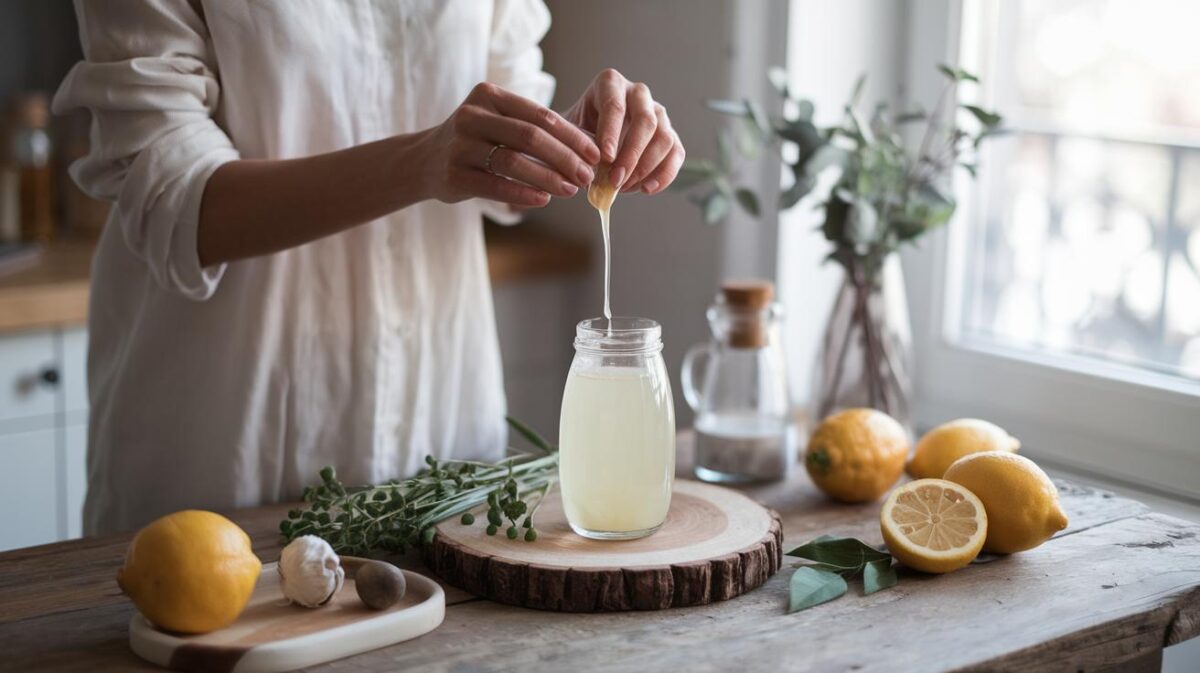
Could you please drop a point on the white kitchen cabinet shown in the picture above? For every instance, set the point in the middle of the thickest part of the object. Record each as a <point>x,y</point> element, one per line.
<point>28,376</point>
<point>43,435</point>
<point>29,498</point>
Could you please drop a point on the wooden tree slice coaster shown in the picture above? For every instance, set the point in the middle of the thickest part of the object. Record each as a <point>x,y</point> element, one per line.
<point>715,544</point>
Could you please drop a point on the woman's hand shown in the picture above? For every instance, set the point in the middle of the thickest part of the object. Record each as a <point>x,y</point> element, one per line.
<point>632,130</point>
<point>488,147</point>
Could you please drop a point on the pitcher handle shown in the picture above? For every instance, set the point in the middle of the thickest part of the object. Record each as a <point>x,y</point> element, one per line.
<point>687,378</point>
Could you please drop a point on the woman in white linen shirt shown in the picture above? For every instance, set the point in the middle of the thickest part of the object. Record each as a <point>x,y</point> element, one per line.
<point>293,273</point>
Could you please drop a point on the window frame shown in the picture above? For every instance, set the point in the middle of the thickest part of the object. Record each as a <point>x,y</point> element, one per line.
<point>1114,421</point>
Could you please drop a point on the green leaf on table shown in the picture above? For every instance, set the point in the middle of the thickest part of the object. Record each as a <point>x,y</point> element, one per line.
<point>716,207</point>
<point>841,552</point>
<point>736,108</point>
<point>811,586</point>
<point>956,74</point>
<point>747,200</point>
<point>879,575</point>
<point>989,119</point>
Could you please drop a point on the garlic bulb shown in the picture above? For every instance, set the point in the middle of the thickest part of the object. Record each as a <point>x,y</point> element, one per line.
<point>310,572</point>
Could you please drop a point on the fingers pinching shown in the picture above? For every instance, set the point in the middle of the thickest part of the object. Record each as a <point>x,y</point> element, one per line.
<point>656,151</point>
<point>609,102</point>
<point>666,172</point>
<point>642,124</point>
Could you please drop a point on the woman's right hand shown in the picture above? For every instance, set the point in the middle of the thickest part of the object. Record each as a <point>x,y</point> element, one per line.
<point>515,132</point>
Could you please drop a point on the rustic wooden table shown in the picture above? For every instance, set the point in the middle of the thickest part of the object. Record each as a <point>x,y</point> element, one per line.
<point>1108,593</point>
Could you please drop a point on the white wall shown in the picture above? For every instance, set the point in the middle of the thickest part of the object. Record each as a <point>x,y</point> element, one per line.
<point>665,260</point>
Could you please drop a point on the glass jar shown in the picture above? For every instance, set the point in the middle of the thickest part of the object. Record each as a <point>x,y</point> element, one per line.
<point>744,429</point>
<point>617,431</point>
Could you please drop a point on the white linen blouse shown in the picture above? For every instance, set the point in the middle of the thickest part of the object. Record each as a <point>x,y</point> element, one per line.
<point>233,385</point>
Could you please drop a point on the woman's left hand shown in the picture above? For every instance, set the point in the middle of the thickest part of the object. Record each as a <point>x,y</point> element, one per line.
<point>632,130</point>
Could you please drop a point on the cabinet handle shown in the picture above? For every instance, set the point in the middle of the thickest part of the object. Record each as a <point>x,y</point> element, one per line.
<point>50,376</point>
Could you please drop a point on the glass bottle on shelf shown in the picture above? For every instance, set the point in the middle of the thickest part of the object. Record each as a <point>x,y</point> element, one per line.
<point>30,152</point>
<point>737,385</point>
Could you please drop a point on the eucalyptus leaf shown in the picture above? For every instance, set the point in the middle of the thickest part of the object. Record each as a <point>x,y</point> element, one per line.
<point>805,109</point>
<point>956,74</point>
<point>716,207</point>
<point>811,586</point>
<point>856,92</point>
<point>837,210</point>
<point>879,575</point>
<point>989,119</point>
<point>750,139</point>
<point>748,200</point>
<point>778,78</point>
<point>736,108</point>
<point>842,552</point>
<point>692,173</point>
<point>758,116</point>
<point>824,157</point>
<point>803,133</point>
<point>799,189</point>
<point>862,224</point>
<point>724,152</point>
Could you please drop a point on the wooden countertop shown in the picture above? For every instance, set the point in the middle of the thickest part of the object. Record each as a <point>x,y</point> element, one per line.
<point>54,292</point>
<point>1108,593</point>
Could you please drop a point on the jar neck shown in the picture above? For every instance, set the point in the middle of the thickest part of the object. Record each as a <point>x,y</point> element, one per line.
<point>621,336</point>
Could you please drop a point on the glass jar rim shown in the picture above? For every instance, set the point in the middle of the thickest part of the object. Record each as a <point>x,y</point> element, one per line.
<point>623,334</point>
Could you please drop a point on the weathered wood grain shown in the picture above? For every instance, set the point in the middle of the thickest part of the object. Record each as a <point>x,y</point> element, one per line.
<point>715,544</point>
<point>1112,590</point>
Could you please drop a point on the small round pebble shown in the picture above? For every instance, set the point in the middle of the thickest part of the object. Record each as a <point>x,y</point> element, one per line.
<point>380,585</point>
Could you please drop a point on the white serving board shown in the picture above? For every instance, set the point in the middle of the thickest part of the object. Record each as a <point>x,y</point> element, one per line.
<point>272,635</point>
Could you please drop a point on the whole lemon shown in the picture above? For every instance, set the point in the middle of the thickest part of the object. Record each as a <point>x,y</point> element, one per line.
<point>948,442</point>
<point>856,455</point>
<point>190,571</point>
<point>1021,502</point>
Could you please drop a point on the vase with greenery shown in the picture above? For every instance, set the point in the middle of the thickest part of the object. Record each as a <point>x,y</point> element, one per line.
<point>882,193</point>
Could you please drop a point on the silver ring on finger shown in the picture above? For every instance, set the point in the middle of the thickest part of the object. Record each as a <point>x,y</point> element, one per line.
<point>487,163</point>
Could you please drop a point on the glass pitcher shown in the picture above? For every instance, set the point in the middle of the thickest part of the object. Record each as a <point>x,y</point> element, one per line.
<point>617,431</point>
<point>744,429</point>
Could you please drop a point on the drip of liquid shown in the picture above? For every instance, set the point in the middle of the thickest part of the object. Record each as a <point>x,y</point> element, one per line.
<point>601,194</point>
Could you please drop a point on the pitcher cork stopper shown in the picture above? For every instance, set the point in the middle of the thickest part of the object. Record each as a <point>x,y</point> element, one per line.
<point>747,299</point>
<point>752,294</point>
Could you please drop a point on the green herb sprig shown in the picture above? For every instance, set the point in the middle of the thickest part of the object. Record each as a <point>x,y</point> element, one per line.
<point>399,515</point>
<point>836,559</point>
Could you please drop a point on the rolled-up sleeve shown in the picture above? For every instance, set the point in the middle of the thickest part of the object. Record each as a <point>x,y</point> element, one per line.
<point>514,57</point>
<point>515,63</point>
<point>150,83</point>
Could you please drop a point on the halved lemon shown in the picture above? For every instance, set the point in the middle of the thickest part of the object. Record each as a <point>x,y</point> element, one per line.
<point>933,525</point>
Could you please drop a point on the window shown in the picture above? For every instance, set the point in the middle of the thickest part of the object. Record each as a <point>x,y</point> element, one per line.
<point>1090,243</point>
<point>1063,301</point>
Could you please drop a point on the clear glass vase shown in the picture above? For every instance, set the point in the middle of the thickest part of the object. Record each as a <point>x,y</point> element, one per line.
<point>866,354</point>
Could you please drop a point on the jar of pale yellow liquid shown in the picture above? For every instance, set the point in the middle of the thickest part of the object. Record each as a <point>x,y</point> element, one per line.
<point>617,431</point>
